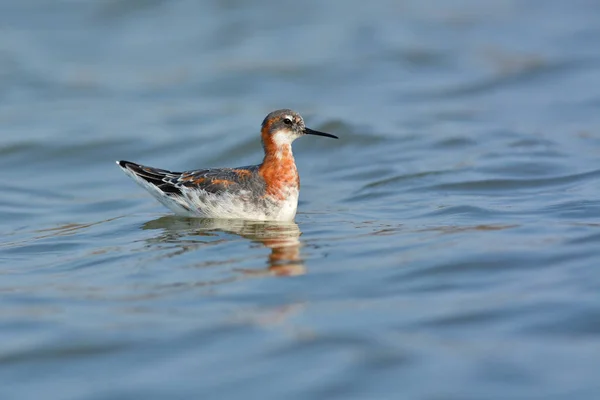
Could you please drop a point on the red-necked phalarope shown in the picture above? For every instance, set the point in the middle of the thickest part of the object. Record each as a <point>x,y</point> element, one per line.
<point>268,191</point>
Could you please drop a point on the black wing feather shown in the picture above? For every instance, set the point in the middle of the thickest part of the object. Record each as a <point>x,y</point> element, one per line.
<point>210,180</point>
<point>155,176</point>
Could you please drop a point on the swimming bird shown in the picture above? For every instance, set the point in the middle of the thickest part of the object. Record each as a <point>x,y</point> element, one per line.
<point>264,192</point>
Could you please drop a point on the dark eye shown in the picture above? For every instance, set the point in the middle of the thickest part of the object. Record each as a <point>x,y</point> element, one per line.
<point>287,121</point>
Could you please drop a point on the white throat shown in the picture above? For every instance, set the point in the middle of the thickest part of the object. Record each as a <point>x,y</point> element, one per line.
<point>283,141</point>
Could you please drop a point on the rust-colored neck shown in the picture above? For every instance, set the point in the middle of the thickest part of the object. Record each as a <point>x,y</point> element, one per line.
<point>278,168</point>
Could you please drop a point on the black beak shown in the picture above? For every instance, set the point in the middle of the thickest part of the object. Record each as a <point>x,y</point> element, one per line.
<point>317,133</point>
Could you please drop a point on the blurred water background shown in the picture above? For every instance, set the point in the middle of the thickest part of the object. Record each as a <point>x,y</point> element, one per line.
<point>446,247</point>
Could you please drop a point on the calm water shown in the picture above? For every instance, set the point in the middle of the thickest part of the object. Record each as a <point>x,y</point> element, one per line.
<point>447,247</point>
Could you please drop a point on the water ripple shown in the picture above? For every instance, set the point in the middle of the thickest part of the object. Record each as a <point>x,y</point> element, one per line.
<point>502,185</point>
<point>445,247</point>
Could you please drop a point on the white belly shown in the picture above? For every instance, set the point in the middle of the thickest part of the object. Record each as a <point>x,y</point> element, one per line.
<point>197,203</point>
<point>288,207</point>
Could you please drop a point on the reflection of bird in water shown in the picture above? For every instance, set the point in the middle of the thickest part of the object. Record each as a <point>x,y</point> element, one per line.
<point>283,238</point>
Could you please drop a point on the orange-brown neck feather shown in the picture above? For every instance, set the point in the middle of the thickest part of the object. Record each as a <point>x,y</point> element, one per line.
<point>279,167</point>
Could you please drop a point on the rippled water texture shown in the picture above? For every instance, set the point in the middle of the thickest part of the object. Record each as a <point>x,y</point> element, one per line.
<point>446,247</point>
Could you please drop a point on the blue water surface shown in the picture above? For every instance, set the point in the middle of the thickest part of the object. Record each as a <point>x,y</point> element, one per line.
<point>446,247</point>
